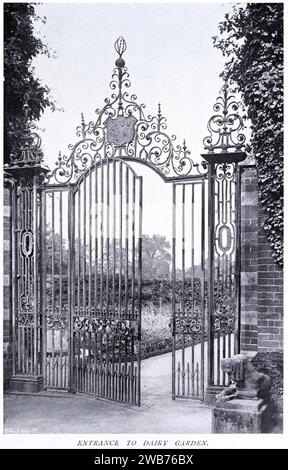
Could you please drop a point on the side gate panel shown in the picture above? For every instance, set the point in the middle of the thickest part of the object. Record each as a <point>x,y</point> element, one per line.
<point>224,267</point>
<point>189,319</point>
<point>55,298</point>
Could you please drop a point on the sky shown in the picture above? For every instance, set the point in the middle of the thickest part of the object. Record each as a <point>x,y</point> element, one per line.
<point>170,59</point>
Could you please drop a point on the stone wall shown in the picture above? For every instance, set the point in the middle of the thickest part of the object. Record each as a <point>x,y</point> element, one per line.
<point>7,272</point>
<point>261,277</point>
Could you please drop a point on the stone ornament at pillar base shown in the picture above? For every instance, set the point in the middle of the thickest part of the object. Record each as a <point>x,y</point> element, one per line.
<point>244,406</point>
<point>242,416</point>
<point>26,383</point>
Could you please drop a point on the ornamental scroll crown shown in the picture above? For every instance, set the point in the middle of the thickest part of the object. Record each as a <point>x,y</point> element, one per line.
<point>225,127</point>
<point>122,130</point>
<point>27,151</point>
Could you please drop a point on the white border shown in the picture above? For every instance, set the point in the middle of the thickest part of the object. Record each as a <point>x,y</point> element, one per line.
<point>212,441</point>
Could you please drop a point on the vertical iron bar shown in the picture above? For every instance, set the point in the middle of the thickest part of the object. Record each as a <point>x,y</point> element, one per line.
<point>96,365</point>
<point>183,365</point>
<point>238,259</point>
<point>107,234</point>
<point>96,239</point>
<point>211,217</point>
<point>120,238</point>
<point>218,357</point>
<point>61,309</point>
<point>44,293</point>
<point>78,340</point>
<point>90,243</point>
<point>14,244</point>
<point>102,238</point>
<point>202,287</point>
<point>61,260</point>
<point>79,250</point>
<point>101,365</point>
<point>53,356</point>
<point>133,246</point>
<point>125,369</point>
<point>193,366</point>
<point>119,369</point>
<point>113,368</point>
<point>173,323</point>
<point>183,249</point>
<point>192,247</point>
<point>53,255</point>
<point>217,264</point>
<point>35,275</point>
<point>114,241</point>
<point>84,245</point>
<point>126,240</point>
<point>71,286</point>
<point>140,286</point>
<point>132,369</point>
<point>90,368</point>
<point>183,286</point>
<point>107,394</point>
<point>223,354</point>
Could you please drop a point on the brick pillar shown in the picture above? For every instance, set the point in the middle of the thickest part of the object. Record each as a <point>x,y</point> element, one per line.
<point>7,297</point>
<point>261,277</point>
<point>249,258</point>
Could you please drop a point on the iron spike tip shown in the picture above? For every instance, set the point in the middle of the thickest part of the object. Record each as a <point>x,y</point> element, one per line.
<point>159,109</point>
<point>82,119</point>
<point>120,46</point>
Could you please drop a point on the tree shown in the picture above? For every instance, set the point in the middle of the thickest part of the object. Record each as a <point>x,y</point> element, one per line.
<point>251,38</point>
<point>156,256</point>
<point>53,244</point>
<point>20,83</point>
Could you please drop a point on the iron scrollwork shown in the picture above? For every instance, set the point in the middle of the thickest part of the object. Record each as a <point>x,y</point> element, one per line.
<point>188,325</point>
<point>225,127</point>
<point>224,315</point>
<point>25,238</point>
<point>225,171</point>
<point>57,318</point>
<point>25,319</point>
<point>121,129</point>
<point>107,326</point>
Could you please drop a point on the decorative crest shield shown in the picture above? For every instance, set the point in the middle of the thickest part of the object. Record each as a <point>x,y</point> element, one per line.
<point>120,130</point>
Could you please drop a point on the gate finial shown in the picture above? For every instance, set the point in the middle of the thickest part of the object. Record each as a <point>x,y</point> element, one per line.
<point>226,139</point>
<point>120,47</point>
<point>83,126</point>
<point>27,151</point>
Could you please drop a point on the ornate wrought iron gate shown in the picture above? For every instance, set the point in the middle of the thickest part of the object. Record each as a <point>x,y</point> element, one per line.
<point>77,325</point>
<point>93,291</point>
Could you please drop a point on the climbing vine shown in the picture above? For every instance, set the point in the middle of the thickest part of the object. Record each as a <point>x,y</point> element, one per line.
<point>251,38</point>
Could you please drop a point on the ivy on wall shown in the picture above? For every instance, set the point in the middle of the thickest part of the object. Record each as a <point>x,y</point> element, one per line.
<point>251,38</point>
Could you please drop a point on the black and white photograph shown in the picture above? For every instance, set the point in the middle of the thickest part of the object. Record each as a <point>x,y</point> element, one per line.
<point>143,222</point>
